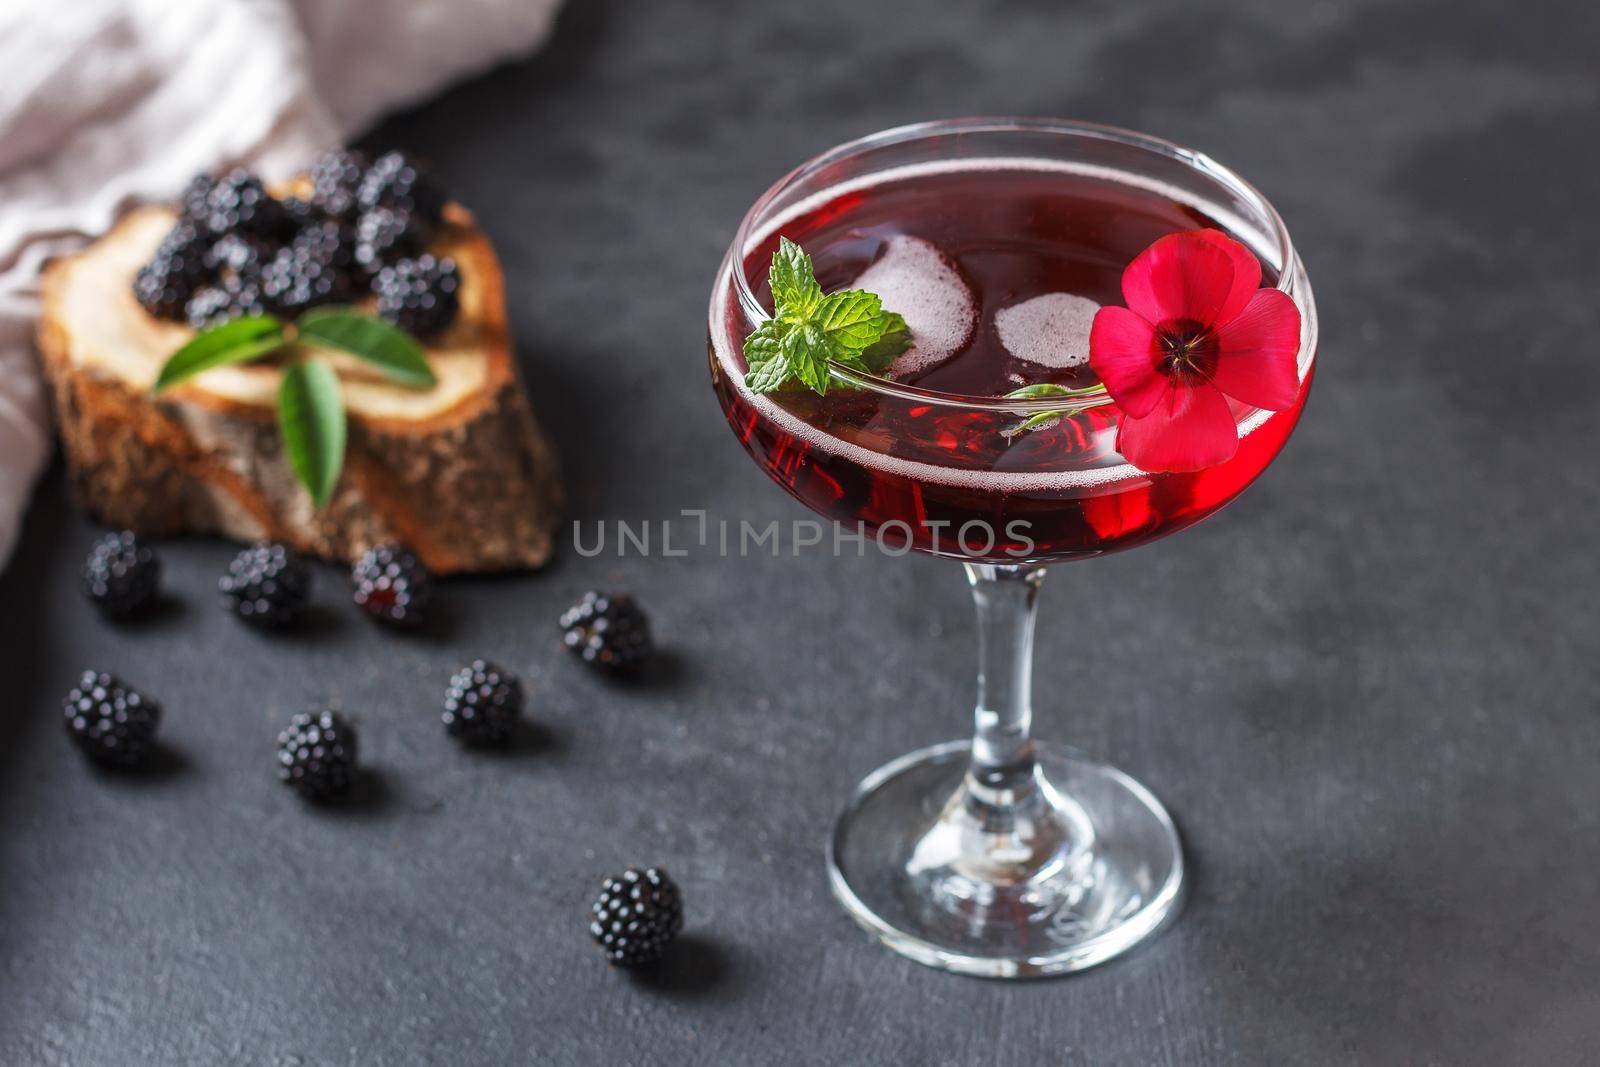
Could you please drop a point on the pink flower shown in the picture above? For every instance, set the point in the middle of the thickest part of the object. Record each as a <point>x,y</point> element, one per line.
<point>1197,329</point>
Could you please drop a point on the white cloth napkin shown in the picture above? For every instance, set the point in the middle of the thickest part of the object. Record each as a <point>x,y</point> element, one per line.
<point>107,102</point>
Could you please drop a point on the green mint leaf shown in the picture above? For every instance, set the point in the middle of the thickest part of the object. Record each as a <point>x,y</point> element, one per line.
<point>238,341</point>
<point>795,292</point>
<point>808,329</point>
<point>893,339</point>
<point>764,343</point>
<point>763,353</point>
<point>369,338</point>
<point>768,377</point>
<point>851,319</point>
<point>806,351</point>
<point>312,421</point>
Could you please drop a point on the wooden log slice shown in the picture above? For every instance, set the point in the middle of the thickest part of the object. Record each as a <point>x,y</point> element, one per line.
<point>459,472</point>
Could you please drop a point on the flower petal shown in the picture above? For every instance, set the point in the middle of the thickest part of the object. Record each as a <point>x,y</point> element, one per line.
<point>1191,428</point>
<point>1185,276</point>
<point>1246,272</point>
<point>1124,352</point>
<point>1256,352</point>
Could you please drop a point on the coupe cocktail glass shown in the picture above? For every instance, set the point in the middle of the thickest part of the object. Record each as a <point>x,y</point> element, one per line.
<point>1000,856</point>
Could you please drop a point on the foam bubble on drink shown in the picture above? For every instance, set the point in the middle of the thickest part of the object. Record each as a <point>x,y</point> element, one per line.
<point>1051,330</point>
<point>922,283</point>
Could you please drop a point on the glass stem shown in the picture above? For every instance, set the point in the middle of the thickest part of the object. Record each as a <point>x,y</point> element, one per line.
<point>1006,597</point>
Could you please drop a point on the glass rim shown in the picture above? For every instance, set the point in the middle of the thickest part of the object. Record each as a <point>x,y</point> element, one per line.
<point>1096,395</point>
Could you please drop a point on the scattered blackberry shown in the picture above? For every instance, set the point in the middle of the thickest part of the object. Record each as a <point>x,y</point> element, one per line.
<point>386,234</point>
<point>419,295</point>
<point>240,204</point>
<point>317,754</point>
<point>121,574</point>
<point>336,182</point>
<point>237,255</point>
<point>267,583</point>
<point>636,916</point>
<point>607,630</point>
<point>164,285</point>
<point>230,298</point>
<point>483,703</point>
<point>389,584</point>
<point>395,181</point>
<point>195,200</point>
<point>112,722</point>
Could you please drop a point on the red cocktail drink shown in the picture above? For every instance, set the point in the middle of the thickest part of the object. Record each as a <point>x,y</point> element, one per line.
<point>1006,245</point>
<point>1006,259</point>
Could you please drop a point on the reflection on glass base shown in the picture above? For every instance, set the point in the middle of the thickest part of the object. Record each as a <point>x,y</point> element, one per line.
<point>1083,865</point>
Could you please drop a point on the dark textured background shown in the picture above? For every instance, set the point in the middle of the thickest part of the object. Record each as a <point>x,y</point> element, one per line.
<point>1368,690</point>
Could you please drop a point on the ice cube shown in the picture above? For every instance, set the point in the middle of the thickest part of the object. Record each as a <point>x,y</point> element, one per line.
<point>1051,330</point>
<point>923,284</point>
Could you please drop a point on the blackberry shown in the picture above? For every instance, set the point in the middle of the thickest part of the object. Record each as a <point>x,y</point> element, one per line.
<point>328,242</point>
<point>121,574</point>
<point>194,202</point>
<point>164,285</point>
<point>482,704</point>
<point>314,269</point>
<point>112,722</point>
<point>607,630</point>
<point>336,182</point>
<point>398,182</point>
<point>317,755</point>
<point>389,584</point>
<point>267,583</point>
<point>421,296</point>
<point>298,214</point>
<point>636,916</point>
<point>386,234</point>
<point>236,255</point>
<point>230,298</point>
<point>239,203</point>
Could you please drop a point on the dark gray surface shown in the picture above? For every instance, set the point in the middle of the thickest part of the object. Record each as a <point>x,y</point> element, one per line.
<point>1368,690</point>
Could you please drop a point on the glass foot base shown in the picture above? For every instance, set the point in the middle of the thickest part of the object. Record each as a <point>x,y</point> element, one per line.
<point>1084,867</point>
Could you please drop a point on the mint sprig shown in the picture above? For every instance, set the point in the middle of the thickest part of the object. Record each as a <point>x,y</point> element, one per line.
<point>810,328</point>
<point>311,412</point>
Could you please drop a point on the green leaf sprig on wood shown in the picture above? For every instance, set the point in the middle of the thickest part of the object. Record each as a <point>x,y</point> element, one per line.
<point>311,414</point>
<point>810,328</point>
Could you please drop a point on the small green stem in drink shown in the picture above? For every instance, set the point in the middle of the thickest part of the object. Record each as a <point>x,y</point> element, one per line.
<point>1039,391</point>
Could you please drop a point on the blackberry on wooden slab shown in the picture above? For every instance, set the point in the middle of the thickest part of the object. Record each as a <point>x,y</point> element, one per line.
<point>336,182</point>
<point>239,203</point>
<point>179,268</point>
<point>384,235</point>
<point>421,296</point>
<point>394,180</point>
